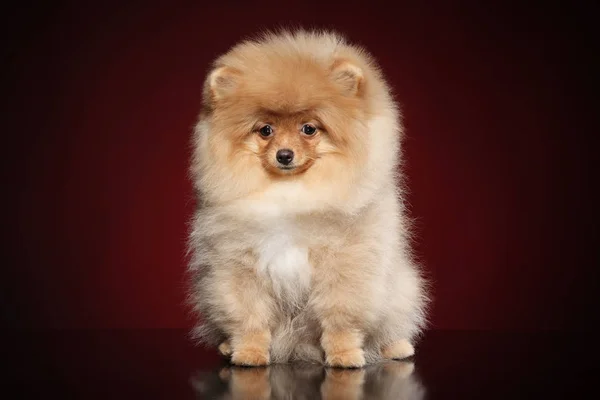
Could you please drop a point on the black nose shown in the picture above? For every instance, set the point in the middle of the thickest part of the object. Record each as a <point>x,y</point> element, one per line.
<point>285,156</point>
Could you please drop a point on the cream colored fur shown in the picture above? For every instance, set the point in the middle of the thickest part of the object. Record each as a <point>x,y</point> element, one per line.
<point>315,266</point>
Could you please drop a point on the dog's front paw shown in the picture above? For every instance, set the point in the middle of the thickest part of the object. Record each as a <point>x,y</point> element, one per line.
<point>352,358</point>
<point>250,357</point>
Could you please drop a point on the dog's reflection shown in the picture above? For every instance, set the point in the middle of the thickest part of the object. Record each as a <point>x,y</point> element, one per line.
<point>388,380</point>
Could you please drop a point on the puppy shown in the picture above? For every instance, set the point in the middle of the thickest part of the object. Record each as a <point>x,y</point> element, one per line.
<point>299,245</point>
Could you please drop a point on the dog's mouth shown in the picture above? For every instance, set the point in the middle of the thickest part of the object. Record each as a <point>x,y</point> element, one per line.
<point>287,170</point>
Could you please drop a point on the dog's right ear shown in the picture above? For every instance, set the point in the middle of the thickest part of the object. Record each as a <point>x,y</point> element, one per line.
<point>221,82</point>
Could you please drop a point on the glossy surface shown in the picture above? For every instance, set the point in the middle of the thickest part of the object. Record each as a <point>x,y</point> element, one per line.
<point>152,364</point>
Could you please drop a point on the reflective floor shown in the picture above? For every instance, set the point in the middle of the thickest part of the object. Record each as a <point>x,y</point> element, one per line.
<point>162,364</point>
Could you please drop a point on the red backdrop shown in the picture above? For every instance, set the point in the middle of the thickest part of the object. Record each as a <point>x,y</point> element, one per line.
<point>100,102</point>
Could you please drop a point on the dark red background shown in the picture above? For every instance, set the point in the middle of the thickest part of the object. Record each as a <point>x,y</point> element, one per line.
<point>100,100</point>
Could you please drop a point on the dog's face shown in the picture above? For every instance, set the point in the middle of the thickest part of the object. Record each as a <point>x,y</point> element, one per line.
<point>277,116</point>
<point>287,113</point>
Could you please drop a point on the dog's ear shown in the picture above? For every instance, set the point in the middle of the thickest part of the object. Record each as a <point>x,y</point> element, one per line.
<point>348,76</point>
<point>221,82</point>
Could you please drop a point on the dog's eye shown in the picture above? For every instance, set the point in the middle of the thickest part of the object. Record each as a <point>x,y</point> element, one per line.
<point>308,129</point>
<point>266,131</point>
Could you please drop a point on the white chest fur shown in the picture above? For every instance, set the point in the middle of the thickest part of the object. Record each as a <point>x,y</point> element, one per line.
<point>283,259</point>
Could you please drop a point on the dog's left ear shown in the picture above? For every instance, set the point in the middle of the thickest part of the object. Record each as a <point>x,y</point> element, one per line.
<point>348,76</point>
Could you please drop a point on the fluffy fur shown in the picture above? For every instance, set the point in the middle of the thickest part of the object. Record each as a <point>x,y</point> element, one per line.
<point>307,261</point>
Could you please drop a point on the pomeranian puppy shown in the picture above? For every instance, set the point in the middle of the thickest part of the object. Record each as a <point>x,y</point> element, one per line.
<point>299,245</point>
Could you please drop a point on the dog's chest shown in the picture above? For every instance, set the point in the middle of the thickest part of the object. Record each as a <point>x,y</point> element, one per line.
<point>283,256</point>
